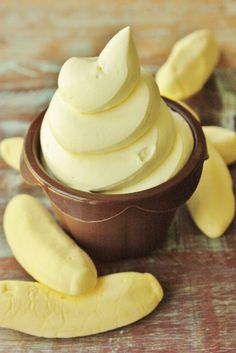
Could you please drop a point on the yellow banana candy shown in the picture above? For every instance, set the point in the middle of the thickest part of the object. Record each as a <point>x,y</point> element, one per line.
<point>224,140</point>
<point>10,149</point>
<point>44,250</point>
<point>189,65</point>
<point>117,300</point>
<point>212,205</point>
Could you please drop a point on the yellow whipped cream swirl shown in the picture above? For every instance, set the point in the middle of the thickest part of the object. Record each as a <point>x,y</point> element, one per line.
<point>107,129</point>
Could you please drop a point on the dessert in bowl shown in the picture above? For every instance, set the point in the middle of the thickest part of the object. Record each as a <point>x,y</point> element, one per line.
<point>113,156</point>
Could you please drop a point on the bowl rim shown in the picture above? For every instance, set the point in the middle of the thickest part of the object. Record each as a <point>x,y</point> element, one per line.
<point>30,157</point>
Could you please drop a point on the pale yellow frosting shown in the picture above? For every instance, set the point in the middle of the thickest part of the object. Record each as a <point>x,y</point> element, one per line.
<point>107,128</point>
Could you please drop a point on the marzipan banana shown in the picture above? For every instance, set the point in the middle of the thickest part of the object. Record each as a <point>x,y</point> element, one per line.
<point>224,140</point>
<point>44,250</point>
<point>212,205</point>
<point>10,149</point>
<point>189,65</point>
<point>117,300</point>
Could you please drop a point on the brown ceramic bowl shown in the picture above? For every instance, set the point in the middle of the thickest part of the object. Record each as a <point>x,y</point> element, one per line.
<point>112,227</point>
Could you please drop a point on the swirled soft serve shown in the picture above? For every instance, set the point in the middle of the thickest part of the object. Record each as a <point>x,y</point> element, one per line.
<point>107,129</point>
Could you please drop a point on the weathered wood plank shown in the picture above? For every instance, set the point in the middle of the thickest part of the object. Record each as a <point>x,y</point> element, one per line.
<point>56,30</point>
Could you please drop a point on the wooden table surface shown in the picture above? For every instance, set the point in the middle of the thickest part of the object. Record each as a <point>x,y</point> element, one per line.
<point>198,313</point>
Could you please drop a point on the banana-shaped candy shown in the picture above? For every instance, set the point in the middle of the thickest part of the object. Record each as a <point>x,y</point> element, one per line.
<point>10,149</point>
<point>212,205</point>
<point>224,140</point>
<point>117,300</point>
<point>189,65</point>
<point>44,250</point>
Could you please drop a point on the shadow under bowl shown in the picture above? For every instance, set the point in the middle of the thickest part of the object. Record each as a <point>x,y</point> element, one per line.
<point>112,227</point>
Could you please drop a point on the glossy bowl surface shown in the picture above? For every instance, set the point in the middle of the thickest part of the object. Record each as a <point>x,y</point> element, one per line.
<point>111,227</point>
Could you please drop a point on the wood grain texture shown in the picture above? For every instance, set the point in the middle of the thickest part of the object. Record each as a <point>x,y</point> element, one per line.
<point>198,274</point>
<point>53,30</point>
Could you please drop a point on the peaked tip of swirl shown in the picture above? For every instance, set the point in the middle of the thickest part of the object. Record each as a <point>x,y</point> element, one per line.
<point>124,32</point>
<point>121,39</point>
